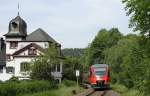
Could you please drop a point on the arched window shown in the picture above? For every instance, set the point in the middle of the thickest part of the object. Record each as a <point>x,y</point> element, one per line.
<point>25,66</point>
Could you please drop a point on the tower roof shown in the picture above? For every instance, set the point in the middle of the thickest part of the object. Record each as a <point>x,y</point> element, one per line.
<point>17,27</point>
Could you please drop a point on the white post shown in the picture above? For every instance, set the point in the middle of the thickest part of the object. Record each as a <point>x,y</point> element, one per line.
<point>77,75</point>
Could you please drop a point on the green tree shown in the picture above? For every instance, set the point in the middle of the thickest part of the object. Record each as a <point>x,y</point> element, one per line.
<point>140,15</point>
<point>42,67</point>
<point>120,57</point>
<point>104,39</point>
<point>70,65</point>
<point>75,52</point>
<point>139,10</point>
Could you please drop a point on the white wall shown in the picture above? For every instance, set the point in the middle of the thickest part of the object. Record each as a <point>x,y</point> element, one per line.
<point>5,76</point>
<point>16,64</point>
<point>18,61</point>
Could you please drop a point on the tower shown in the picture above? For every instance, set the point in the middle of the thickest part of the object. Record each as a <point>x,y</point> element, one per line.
<point>17,28</point>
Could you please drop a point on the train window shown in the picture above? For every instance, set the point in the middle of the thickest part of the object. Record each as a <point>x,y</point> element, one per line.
<point>100,71</point>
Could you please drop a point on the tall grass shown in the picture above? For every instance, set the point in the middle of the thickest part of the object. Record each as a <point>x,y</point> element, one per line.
<point>133,93</point>
<point>23,87</point>
<point>65,89</point>
<point>119,88</point>
<point>124,91</point>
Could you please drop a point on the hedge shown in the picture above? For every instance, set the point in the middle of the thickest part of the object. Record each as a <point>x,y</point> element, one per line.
<point>24,87</point>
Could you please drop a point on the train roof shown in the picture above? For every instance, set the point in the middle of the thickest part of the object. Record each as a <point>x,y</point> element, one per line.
<point>100,65</point>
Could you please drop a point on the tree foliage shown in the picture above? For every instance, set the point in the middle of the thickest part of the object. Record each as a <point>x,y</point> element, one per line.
<point>139,10</point>
<point>71,64</point>
<point>74,52</point>
<point>104,39</point>
<point>42,67</point>
<point>140,15</point>
<point>120,57</point>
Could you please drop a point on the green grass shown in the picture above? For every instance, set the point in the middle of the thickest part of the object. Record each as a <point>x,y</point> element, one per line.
<point>24,87</point>
<point>124,91</point>
<point>119,88</point>
<point>61,91</point>
<point>133,93</point>
<point>38,88</point>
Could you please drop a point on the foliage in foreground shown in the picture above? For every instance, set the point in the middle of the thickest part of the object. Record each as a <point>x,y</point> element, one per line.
<point>124,91</point>
<point>63,90</point>
<point>69,83</point>
<point>24,87</point>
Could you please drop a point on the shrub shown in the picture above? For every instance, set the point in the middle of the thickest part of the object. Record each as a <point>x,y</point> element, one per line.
<point>119,88</point>
<point>13,79</point>
<point>69,83</point>
<point>16,88</point>
<point>133,93</point>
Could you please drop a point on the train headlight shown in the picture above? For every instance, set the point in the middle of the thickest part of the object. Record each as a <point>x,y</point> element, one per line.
<point>99,78</point>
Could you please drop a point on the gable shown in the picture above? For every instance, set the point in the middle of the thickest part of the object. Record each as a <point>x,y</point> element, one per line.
<point>25,50</point>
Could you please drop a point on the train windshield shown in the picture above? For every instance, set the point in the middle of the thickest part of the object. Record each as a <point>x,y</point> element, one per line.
<point>100,71</point>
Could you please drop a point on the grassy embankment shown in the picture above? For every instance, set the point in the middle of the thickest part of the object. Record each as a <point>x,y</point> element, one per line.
<point>38,88</point>
<point>62,91</point>
<point>124,91</point>
<point>67,88</point>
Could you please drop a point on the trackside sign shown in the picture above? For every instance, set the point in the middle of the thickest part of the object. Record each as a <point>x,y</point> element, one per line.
<point>77,73</point>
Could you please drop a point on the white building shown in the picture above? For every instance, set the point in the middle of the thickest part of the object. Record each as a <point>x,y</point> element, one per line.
<point>21,48</point>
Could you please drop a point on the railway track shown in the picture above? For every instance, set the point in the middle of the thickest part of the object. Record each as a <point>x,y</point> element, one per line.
<point>97,93</point>
<point>91,92</point>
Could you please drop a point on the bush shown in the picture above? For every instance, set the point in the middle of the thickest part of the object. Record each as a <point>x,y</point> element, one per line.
<point>69,83</point>
<point>119,88</point>
<point>133,93</point>
<point>13,79</point>
<point>15,88</point>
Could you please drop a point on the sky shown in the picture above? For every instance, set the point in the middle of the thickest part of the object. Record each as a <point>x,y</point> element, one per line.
<point>72,23</point>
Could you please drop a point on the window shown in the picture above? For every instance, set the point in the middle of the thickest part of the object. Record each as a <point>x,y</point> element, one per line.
<point>14,24</point>
<point>13,44</point>
<point>32,51</point>
<point>53,68</point>
<point>1,69</point>
<point>8,57</point>
<point>58,67</point>
<point>9,70</point>
<point>46,45</point>
<point>24,66</point>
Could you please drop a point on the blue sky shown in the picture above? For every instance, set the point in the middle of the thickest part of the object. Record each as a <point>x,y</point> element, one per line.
<point>73,23</point>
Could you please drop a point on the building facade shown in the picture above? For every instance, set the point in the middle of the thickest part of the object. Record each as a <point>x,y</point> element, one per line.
<point>19,48</point>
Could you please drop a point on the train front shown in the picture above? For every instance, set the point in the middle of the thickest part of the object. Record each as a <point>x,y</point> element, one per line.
<point>99,76</point>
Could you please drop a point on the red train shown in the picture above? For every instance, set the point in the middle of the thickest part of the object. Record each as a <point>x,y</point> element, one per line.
<point>99,76</point>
